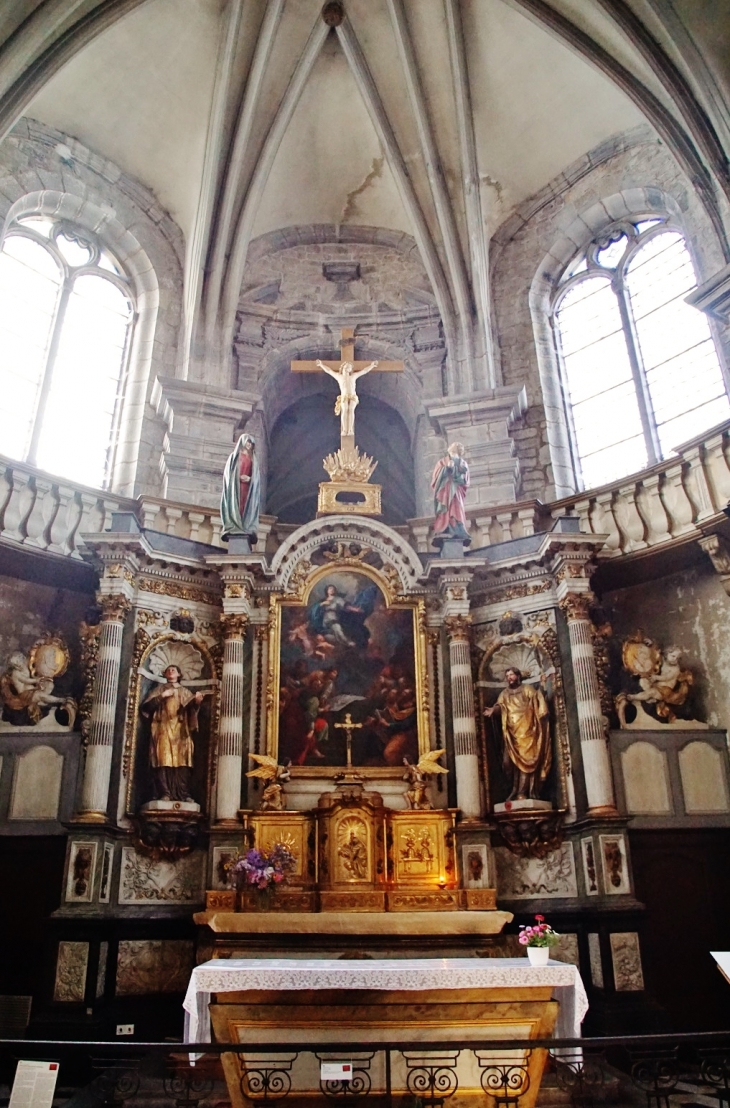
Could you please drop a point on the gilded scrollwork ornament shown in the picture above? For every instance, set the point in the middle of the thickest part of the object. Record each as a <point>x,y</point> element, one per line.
<point>577,606</point>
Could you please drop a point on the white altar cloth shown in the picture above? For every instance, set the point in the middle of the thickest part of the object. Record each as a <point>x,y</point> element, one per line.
<point>408,974</point>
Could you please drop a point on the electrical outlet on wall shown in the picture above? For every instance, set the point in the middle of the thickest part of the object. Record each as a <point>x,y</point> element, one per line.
<point>125,1029</point>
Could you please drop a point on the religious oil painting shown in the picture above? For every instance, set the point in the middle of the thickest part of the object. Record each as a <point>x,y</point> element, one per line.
<point>347,657</point>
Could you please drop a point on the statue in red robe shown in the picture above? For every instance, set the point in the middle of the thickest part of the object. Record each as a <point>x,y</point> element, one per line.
<point>450,482</point>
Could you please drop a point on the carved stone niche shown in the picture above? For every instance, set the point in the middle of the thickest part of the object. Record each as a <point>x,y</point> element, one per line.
<point>530,834</point>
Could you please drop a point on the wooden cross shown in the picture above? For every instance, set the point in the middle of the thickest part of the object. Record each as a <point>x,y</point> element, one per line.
<point>349,727</point>
<point>347,354</point>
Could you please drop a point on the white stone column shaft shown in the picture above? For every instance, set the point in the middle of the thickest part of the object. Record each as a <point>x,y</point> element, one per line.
<point>591,724</point>
<point>230,732</point>
<point>97,769</point>
<point>466,747</point>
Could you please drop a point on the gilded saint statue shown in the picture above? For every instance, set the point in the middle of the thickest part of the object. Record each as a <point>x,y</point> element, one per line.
<point>173,711</point>
<point>526,735</point>
<point>346,377</point>
<point>241,499</point>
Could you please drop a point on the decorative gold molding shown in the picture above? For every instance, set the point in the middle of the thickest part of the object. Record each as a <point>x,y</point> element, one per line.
<point>192,593</point>
<point>89,638</point>
<point>519,590</point>
<point>117,570</point>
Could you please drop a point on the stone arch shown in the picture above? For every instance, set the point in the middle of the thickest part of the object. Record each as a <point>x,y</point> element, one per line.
<point>392,547</point>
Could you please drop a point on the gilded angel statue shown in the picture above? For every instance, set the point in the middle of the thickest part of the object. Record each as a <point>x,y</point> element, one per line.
<point>268,769</point>
<point>418,777</point>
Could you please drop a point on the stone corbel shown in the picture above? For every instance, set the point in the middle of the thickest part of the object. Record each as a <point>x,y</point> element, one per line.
<point>713,296</point>
<point>717,547</point>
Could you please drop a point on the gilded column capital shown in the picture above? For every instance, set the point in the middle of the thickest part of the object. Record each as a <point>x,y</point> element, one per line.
<point>234,625</point>
<point>577,605</point>
<point>458,628</point>
<point>114,608</point>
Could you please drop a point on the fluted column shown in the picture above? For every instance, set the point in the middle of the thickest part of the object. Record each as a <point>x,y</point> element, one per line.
<point>97,769</point>
<point>591,722</point>
<point>230,733</point>
<point>466,748</point>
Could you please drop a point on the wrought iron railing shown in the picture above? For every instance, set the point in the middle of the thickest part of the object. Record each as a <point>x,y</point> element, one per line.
<point>649,1071</point>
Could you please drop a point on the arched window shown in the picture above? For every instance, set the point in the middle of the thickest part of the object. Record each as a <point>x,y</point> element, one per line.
<point>640,371</point>
<point>65,325</point>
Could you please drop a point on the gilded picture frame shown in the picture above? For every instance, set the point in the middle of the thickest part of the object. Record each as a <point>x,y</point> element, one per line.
<point>346,619</point>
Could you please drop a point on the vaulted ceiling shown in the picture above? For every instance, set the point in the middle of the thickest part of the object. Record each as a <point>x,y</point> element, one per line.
<point>434,117</point>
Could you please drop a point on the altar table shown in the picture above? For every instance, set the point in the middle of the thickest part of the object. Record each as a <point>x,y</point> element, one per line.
<point>401,974</point>
<point>366,1002</point>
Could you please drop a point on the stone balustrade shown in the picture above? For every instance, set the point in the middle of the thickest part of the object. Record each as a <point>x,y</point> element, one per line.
<point>487,526</point>
<point>664,504</point>
<point>43,512</point>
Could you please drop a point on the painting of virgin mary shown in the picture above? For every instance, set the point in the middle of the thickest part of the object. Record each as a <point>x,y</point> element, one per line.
<point>347,651</point>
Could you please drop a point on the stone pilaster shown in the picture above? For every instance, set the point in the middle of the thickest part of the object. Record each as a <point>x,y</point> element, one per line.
<point>230,734</point>
<point>97,769</point>
<point>591,721</point>
<point>466,747</point>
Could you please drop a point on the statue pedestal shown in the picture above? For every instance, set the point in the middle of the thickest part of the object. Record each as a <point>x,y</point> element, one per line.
<point>523,806</point>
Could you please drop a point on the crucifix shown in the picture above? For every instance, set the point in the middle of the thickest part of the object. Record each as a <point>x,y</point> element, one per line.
<point>346,372</point>
<point>348,726</point>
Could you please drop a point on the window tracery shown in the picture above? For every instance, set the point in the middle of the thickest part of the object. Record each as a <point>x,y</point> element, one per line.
<point>639,370</point>
<point>66,318</point>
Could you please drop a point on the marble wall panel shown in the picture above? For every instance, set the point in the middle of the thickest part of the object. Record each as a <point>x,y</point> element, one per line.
<point>144,880</point>
<point>704,787</point>
<point>628,976</point>
<point>594,955</point>
<point>566,950</point>
<point>646,780</point>
<point>101,971</point>
<point>531,878</point>
<point>71,965</point>
<point>36,784</point>
<point>146,966</point>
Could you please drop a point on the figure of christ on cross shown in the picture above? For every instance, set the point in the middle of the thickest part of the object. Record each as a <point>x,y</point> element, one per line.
<point>348,726</point>
<point>346,373</point>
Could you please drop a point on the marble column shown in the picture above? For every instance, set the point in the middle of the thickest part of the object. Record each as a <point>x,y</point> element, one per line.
<point>591,722</point>
<point>230,732</point>
<point>466,747</point>
<point>97,770</point>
